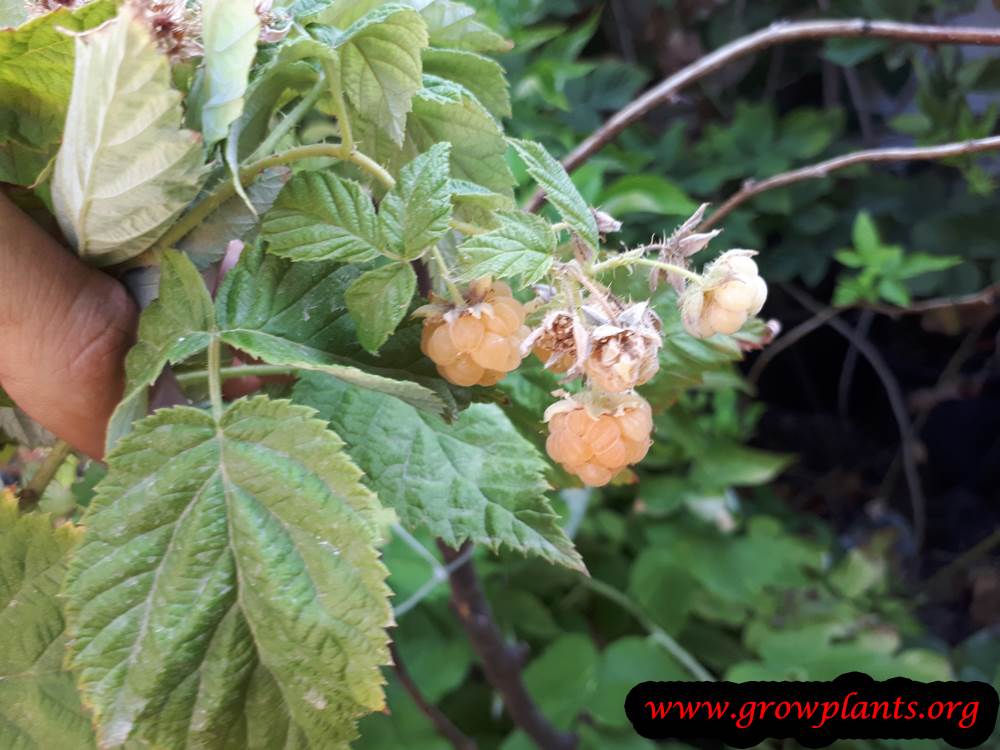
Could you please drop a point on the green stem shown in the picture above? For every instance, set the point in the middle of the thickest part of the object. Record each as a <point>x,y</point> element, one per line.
<point>339,106</point>
<point>657,633</point>
<point>290,122</point>
<point>226,190</point>
<point>240,371</point>
<point>453,291</point>
<point>624,260</point>
<point>214,380</point>
<point>372,167</point>
<point>44,475</point>
<point>466,228</point>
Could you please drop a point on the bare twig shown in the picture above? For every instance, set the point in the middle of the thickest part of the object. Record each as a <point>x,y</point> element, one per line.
<point>753,188</point>
<point>907,435</point>
<point>44,475</point>
<point>442,724</point>
<point>787,340</point>
<point>501,662</point>
<point>851,361</point>
<point>987,296</point>
<point>777,33</point>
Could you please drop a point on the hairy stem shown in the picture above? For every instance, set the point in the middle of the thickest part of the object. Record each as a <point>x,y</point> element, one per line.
<point>501,662</point>
<point>453,291</point>
<point>44,475</point>
<point>226,190</point>
<point>214,380</point>
<point>241,371</point>
<point>330,67</point>
<point>290,121</point>
<point>777,33</point>
<point>442,724</point>
<point>626,260</point>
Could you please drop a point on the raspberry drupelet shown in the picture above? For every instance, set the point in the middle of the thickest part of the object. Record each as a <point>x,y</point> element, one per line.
<point>477,344</point>
<point>596,437</point>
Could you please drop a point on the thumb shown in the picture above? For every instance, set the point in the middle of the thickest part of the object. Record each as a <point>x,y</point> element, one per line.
<point>64,332</point>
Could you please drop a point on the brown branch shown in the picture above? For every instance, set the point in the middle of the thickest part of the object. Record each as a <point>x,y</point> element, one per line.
<point>778,33</point>
<point>753,188</point>
<point>501,661</point>
<point>907,434</point>
<point>442,724</point>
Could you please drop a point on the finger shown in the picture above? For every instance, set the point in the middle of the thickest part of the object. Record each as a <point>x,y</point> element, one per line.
<point>64,332</point>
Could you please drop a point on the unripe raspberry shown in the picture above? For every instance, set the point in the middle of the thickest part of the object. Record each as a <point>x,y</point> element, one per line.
<point>731,291</point>
<point>477,344</point>
<point>596,437</point>
<point>554,342</point>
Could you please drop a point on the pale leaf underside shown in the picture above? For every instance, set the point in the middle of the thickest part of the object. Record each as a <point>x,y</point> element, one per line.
<point>227,569</point>
<point>125,169</point>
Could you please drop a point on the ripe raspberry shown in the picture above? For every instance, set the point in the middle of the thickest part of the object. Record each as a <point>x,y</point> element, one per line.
<point>595,440</point>
<point>478,344</point>
<point>731,291</point>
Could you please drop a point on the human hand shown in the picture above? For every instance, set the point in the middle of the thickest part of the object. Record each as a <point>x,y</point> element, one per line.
<point>64,332</point>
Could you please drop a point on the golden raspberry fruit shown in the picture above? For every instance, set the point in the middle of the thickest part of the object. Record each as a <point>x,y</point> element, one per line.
<point>478,344</point>
<point>596,440</point>
<point>731,292</point>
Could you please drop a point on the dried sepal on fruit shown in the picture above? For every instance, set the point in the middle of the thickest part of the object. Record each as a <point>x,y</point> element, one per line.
<point>678,247</point>
<point>175,26</point>
<point>624,347</point>
<point>477,343</point>
<point>561,342</point>
<point>596,435</point>
<point>731,291</point>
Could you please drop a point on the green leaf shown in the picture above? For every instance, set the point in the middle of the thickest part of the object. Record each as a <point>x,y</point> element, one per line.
<point>229,34</point>
<point>625,663</point>
<point>865,236</point>
<point>446,111</point>
<point>414,215</point>
<point>559,189</point>
<point>454,25</point>
<point>562,679</point>
<point>39,706</point>
<point>524,245</point>
<point>320,216</point>
<point>893,291</point>
<point>475,479</point>
<point>646,194</point>
<point>482,76</point>
<point>378,301</point>
<point>727,464</point>
<point>380,67</point>
<point>223,560</point>
<point>125,169</point>
<point>36,75</point>
<point>233,220</point>
<point>175,326</point>
<point>915,264</point>
<point>293,314</point>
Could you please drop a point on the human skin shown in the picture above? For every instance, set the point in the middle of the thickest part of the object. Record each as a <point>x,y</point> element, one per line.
<point>64,332</point>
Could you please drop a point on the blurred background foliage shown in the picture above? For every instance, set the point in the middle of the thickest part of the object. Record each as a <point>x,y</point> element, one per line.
<point>770,534</point>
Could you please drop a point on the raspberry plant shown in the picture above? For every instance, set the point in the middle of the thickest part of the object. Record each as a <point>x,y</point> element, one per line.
<point>304,182</point>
